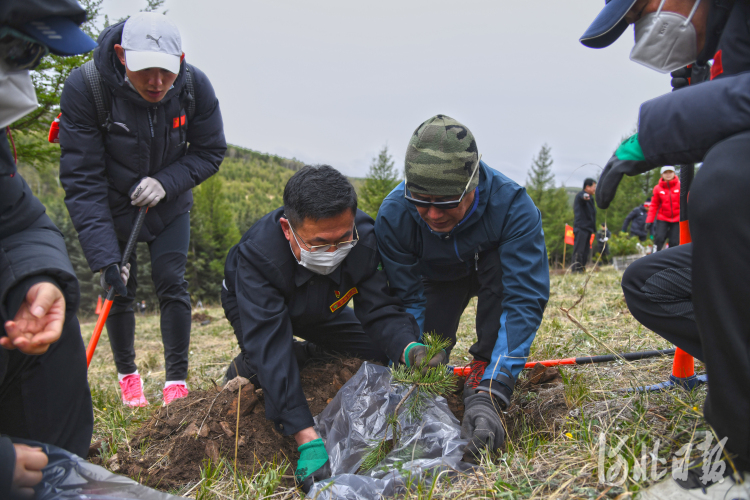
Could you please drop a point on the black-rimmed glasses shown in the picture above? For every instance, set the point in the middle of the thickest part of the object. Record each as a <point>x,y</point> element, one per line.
<point>443,205</point>
<point>342,245</point>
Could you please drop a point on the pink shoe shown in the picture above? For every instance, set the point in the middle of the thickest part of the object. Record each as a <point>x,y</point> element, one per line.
<point>132,391</point>
<point>174,391</point>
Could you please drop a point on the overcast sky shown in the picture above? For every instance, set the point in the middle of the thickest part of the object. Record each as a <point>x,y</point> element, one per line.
<point>334,81</point>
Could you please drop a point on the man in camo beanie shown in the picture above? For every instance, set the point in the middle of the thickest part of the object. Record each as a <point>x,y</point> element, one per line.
<point>441,156</point>
<point>457,229</point>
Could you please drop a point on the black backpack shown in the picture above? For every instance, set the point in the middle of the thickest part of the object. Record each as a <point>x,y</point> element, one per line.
<point>103,96</point>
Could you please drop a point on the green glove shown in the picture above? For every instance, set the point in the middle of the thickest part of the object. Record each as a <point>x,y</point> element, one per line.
<point>630,149</point>
<point>312,457</point>
<point>416,352</point>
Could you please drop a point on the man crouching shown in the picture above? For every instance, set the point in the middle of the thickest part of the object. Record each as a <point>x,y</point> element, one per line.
<point>292,274</point>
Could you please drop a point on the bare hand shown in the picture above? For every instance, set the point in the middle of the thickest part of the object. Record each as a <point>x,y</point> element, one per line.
<point>28,471</point>
<point>38,322</point>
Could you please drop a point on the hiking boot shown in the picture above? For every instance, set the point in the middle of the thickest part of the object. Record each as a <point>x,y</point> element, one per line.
<point>475,376</point>
<point>131,388</point>
<point>174,391</point>
<point>729,487</point>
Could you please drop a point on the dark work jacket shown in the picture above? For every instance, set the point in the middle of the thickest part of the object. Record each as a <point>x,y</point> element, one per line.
<point>637,221</point>
<point>32,250</point>
<point>680,127</point>
<point>276,296</point>
<point>98,170</point>
<point>584,211</point>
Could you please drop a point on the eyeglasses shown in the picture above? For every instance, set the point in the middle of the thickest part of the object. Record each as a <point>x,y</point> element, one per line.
<point>443,205</point>
<point>19,51</point>
<point>342,245</point>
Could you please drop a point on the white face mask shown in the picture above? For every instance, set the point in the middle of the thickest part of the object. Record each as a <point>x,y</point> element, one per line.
<point>665,41</point>
<point>17,95</point>
<point>320,262</point>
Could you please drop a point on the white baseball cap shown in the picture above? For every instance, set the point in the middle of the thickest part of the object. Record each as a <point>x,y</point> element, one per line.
<point>667,169</point>
<point>151,40</point>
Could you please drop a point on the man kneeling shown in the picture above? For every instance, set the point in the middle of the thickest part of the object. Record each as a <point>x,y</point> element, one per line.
<point>292,274</point>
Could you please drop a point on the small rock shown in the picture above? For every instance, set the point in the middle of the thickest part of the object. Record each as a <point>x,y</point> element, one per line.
<point>203,431</point>
<point>248,402</point>
<point>191,430</point>
<point>242,441</point>
<point>236,383</point>
<point>215,427</point>
<point>113,463</point>
<point>227,429</point>
<point>329,400</point>
<point>212,451</point>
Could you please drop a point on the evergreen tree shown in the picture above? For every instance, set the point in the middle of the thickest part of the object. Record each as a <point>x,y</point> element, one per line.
<point>380,180</point>
<point>551,201</point>
<point>213,234</point>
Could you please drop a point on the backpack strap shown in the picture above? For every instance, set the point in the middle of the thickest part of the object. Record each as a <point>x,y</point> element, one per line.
<point>191,93</point>
<point>101,95</point>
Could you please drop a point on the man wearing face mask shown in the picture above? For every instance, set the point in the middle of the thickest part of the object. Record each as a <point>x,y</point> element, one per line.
<point>44,395</point>
<point>139,128</point>
<point>694,295</point>
<point>457,229</point>
<point>293,274</point>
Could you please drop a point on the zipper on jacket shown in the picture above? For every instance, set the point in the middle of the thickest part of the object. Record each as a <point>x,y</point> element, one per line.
<point>151,123</point>
<point>476,261</point>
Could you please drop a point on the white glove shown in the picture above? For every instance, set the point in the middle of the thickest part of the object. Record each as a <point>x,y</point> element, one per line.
<point>148,192</point>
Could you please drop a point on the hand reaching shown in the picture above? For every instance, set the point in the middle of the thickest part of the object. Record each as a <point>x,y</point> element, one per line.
<point>38,322</point>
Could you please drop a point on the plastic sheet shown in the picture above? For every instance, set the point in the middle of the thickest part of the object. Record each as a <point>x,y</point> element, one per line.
<point>69,477</point>
<point>356,418</point>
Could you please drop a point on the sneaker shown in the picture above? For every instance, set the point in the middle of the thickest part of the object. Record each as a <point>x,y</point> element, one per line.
<point>475,376</point>
<point>131,387</point>
<point>730,487</point>
<point>174,391</point>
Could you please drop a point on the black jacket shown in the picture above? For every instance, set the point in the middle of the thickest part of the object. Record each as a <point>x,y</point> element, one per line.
<point>668,130</point>
<point>584,211</point>
<point>276,295</point>
<point>637,221</point>
<point>32,250</point>
<point>98,170</point>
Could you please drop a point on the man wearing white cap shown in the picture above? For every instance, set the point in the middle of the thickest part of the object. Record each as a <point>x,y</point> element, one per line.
<point>663,220</point>
<point>139,127</point>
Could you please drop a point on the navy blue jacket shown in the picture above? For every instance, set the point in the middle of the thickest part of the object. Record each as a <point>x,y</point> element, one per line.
<point>637,221</point>
<point>584,212</point>
<point>98,170</point>
<point>504,219</point>
<point>668,130</point>
<point>276,296</point>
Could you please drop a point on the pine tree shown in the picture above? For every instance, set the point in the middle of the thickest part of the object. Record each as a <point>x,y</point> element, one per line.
<point>552,202</point>
<point>381,179</point>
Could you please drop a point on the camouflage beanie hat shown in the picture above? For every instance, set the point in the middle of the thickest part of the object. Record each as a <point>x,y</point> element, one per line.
<point>440,158</point>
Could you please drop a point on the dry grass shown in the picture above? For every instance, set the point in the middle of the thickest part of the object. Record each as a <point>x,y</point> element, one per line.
<point>553,447</point>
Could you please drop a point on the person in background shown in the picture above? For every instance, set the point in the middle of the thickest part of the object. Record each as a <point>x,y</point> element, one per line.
<point>636,219</point>
<point>663,219</point>
<point>44,394</point>
<point>150,152</point>
<point>584,224</point>
<point>602,247</point>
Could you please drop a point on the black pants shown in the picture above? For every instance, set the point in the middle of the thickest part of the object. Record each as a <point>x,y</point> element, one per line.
<point>446,301</point>
<point>581,250</point>
<point>664,231</point>
<point>342,335</point>
<point>168,261</point>
<point>46,398</point>
<point>719,284</point>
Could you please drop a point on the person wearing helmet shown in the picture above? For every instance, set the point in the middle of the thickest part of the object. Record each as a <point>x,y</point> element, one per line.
<point>663,219</point>
<point>457,229</point>
<point>694,295</point>
<point>44,395</point>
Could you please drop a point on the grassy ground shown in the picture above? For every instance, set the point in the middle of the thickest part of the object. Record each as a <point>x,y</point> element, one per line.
<point>581,439</point>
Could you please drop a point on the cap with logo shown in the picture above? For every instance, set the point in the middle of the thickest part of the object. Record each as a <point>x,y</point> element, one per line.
<point>608,25</point>
<point>51,23</point>
<point>151,40</point>
<point>667,169</point>
<point>441,158</point>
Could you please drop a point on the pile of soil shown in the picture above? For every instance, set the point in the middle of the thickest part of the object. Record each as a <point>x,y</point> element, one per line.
<point>202,318</point>
<point>169,449</point>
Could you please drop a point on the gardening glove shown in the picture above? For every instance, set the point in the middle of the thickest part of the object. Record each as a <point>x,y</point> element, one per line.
<point>649,226</point>
<point>313,464</point>
<point>482,426</point>
<point>147,192</point>
<point>110,277</point>
<point>628,159</point>
<point>415,353</point>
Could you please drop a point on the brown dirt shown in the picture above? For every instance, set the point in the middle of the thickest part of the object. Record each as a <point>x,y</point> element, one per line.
<point>169,449</point>
<point>200,317</point>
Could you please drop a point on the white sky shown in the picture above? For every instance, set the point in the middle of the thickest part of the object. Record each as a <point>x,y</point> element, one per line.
<point>333,81</point>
